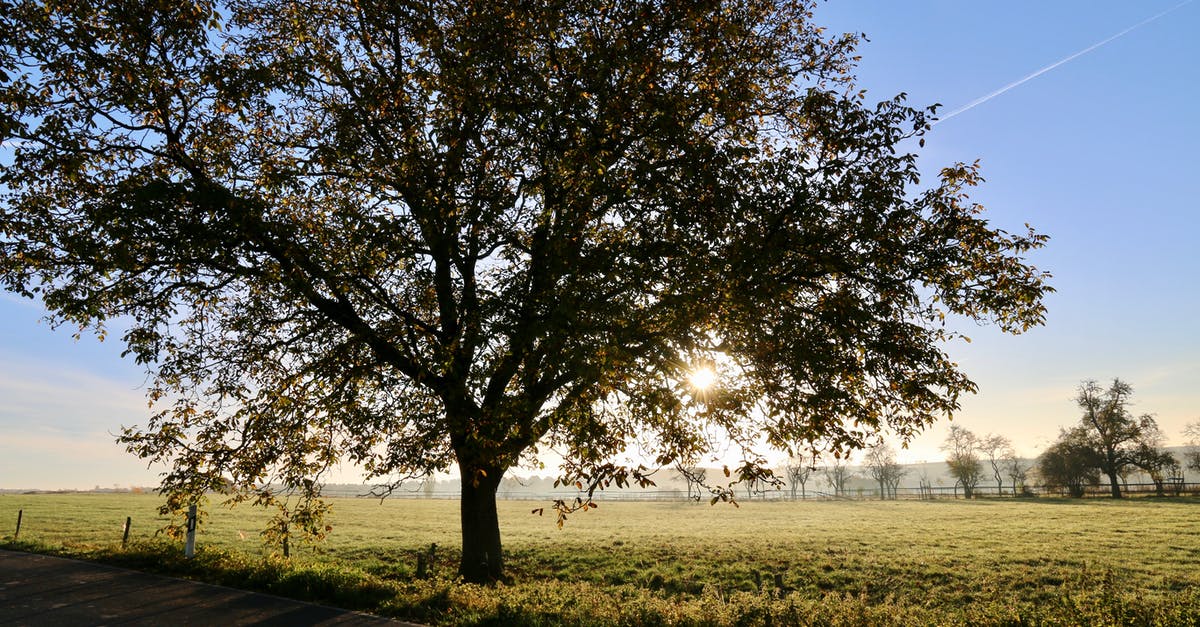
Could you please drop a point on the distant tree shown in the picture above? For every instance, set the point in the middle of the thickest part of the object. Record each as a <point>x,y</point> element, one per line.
<point>1070,464</point>
<point>996,449</point>
<point>1125,473</point>
<point>447,234</point>
<point>880,462</point>
<point>962,457</point>
<point>1159,465</point>
<point>875,460</point>
<point>894,477</point>
<point>751,485</point>
<point>1191,455</point>
<point>798,470</point>
<point>428,485</point>
<point>1016,469</point>
<point>1110,429</point>
<point>510,484</point>
<point>1151,459</point>
<point>694,477</point>
<point>926,484</point>
<point>837,473</point>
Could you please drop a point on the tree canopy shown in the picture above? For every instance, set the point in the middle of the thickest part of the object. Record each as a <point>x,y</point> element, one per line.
<point>1071,463</point>
<point>419,235</point>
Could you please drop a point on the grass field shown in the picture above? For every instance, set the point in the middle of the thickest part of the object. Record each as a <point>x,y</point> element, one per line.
<point>1040,561</point>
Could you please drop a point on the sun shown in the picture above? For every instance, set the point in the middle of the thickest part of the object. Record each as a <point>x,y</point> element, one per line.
<point>702,378</point>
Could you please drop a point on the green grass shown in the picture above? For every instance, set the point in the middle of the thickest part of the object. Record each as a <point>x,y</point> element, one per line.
<point>1041,561</point>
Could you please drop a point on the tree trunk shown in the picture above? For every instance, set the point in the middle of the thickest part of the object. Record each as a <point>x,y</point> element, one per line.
<point>482,560</point>
<point>1116,485</point>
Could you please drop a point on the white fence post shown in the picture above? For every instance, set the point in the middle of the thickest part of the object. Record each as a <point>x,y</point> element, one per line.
<point>189,549</point>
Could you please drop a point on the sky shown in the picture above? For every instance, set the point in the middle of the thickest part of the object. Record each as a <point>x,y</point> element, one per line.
<point>1098,151</point>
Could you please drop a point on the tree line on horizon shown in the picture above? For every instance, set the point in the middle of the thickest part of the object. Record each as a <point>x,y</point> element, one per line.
<point>1107,443</point>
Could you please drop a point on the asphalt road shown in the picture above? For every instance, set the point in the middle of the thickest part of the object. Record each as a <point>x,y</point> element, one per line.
<point>44,591</point>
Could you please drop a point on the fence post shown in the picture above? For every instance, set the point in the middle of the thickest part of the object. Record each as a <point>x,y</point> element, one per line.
<point>125,536</point>
<point>20,513</point>
<point>189,549</point>
<point>286,549</point>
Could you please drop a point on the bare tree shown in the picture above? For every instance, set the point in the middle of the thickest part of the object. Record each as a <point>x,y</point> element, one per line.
<point>509,484</point>
<point>837,473</point>
<point>895,477</point>
<point>996,449</point>
<point>694,476</point>
<point>962,456</point>
<point>1159,465</point>
<point>1191,456</point>
<point>925,483</point>
<point>1016,469</point>
<point>881,464</point>
<point>1153,460</point>
<point>1125,472</point>
<point>876,460</point>
<point>798,470</point>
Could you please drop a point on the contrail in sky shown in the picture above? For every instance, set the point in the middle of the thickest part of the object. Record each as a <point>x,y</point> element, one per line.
<point>1019,82</point>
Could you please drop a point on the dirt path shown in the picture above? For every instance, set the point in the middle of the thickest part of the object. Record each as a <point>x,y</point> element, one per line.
<point>49,591</point>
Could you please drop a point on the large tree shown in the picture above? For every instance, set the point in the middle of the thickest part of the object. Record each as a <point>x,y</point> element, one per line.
<point>1113,432</point>
<point>417,235</point>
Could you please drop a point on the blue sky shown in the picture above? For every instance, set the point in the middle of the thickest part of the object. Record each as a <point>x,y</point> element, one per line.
<point>1099,153</point>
